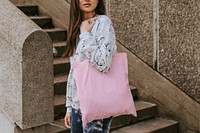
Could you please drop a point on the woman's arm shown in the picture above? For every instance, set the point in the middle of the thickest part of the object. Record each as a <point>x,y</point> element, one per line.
<point>101,47</point>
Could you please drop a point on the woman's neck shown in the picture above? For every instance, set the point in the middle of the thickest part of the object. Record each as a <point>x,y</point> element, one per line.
<point>89,15</point>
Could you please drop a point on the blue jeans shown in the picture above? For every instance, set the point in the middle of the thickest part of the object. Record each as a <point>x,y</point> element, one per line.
<point>96,126</point>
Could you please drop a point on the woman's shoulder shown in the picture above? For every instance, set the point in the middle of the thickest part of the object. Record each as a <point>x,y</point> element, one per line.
<point>103,18</point>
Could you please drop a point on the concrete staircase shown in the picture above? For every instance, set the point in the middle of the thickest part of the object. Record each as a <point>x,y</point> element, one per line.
<point>146,121</point>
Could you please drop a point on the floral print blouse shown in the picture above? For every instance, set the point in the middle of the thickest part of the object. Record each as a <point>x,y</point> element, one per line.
<point>99,47</point>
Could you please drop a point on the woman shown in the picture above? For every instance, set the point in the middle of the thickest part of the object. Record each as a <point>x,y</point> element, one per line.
<point>90,36</point>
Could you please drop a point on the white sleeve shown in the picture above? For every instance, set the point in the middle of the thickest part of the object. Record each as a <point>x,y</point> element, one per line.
<point>101,47</point>
<point>69,89</point>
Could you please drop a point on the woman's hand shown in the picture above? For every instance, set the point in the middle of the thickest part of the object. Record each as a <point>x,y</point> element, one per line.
<point>68,120</point>
<point>87,25</point>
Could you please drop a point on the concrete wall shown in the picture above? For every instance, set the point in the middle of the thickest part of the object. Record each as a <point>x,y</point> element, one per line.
<point>172,102</point>
<point>164,34</point>
<point>180,44</point>
<point>133,24</point>
<point>26,70</point>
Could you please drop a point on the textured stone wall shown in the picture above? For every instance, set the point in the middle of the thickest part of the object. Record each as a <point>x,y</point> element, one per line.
<point>133,20</point>
<point>177,49</point>
<point>155,88</point>
<point>37,80</point>
<point>26,69</point>
<point>180,44</point>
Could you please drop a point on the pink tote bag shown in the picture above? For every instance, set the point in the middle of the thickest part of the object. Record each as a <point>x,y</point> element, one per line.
<point>102,95</point>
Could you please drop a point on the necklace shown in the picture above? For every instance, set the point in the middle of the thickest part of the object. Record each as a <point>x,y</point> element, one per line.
<point>91,17</point>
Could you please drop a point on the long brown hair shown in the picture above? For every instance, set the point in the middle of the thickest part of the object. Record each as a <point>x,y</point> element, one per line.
<point>76,17</point>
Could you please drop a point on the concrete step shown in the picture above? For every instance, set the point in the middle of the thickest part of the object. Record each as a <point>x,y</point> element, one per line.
<point>59,106</point>
<point>60,47</point>
<point>61,65</point>
<point>151,126</point>
<point>42,21</point>
<point>28,9</point>
<point>134,92</point>
<point>60,82</point>
<point>145,110</point>
<point>57,34</point>
<point>57,126</point>
<point>60,79</point>
<point>59,100</point>
<point>156,125</point>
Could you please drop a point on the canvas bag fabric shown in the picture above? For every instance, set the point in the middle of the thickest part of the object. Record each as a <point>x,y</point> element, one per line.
<point>102,95</point>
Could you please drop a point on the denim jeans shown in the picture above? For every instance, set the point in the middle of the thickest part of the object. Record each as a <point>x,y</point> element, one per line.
<point>96,126</point>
